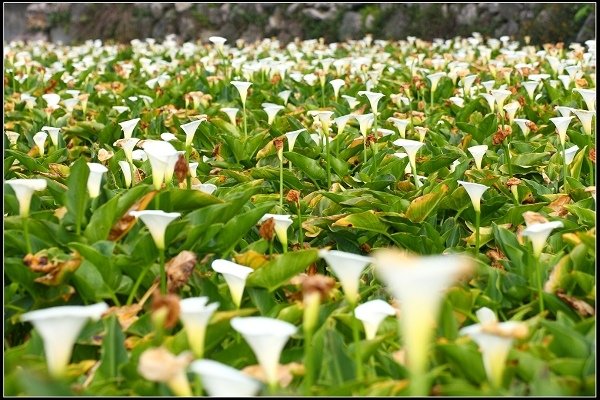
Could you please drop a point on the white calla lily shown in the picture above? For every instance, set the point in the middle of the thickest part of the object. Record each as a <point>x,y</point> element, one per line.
<point>40,141</point>
<point>221,380</point>
<point>126,169</point>
<point>337,84</point>
<point>53,132</point>
<point>475,192</point>
<point>235,275</point>
<point>231,114</point>
<point>562,124</point>
<point>478,152</point>
<point>538,234</point>
<point>190,130</point>
<point>24,189</point>
<point>95,179</point>
<point>292,136</point>
<point>267,338</point>
<point>348,268</point>
<point>156,221</point>
<point>59,328</point>
<point>372,313</point>
<point>195,313</point>
<point>128,126</point>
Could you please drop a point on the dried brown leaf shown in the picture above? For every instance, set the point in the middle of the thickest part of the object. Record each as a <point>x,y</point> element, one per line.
<point>126,222</point>
<point>179,270</point>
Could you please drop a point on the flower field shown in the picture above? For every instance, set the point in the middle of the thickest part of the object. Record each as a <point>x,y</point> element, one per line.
<point>367,218</point>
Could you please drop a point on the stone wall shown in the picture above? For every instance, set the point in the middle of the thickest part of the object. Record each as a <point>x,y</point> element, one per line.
<point>66,22</point>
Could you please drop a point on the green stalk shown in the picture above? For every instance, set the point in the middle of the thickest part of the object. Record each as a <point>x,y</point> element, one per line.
<point>356,338</point>
<point>26,234</point>
<point>365,151</point>
<point>477,224</point>
<point>198,386</point>
<point>414,172</point>
<point>507,156</point>
<point>537,265</point>
<point>136,286</point>
<point>327,157</point>
<point>163,274</point>
<point>245,122</point>
<point>309,361</point>
<point>431,103</point>
<point>281,183</point>
<point>564,166</point>
<point>323,95</point>
<point>300,233</point>
<point>591,165</point>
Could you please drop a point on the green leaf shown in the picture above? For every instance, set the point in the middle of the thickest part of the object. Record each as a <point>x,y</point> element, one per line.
<point>30,163</point>
<point>239,226</point>
<point>424,205</point>
<point>186,200</point>
<point>310,167</point>
<point>113,353</point>
<point>283,267</point>
<point>367,220</point>
<point>77,195</point>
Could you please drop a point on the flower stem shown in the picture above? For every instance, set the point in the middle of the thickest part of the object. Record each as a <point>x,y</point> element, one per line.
<point>300,233</point>
<point>163,275</point>
<point>309,361</point>
<point>414,172</point>
<point>477,224</point>
<point>26,234</point>
<point>365,151</point>
<point>538,268</point>
<point>507,156</point>
<point>281,183</point>
<point>136,286</point>
<point>564,167</point>
<point>245,122</point>
<point>357,352</point>
<point>328,159</point>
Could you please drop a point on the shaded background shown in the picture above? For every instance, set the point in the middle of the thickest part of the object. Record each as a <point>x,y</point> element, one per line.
<point>72,23</point>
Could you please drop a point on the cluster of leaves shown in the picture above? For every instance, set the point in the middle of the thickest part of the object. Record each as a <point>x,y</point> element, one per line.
<point>84,251</point>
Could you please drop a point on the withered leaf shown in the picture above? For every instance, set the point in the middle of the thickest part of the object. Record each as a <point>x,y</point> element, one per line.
<point>57,267</point>
<point>126,315</point>
<point>251,259</point>
<point>179,269</point>
<point>558,206</point>
<point>581,307</point>
<point>126,222</point>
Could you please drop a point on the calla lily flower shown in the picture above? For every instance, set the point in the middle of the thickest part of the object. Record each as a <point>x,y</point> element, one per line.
<point>494,340</point>
<point>538,234</point>
<point>285,96</point>
<point>192,167</point>
<point>352,102</point>
<point>371,314</point>
<point>40,140</point>
<point>565,80</point>
<point>218,41</point>
<point>157,222</point>
<point>500,95</point>
<point>195,312</point>
<point>12,137</point>
<point>95,179</point>
<point>24,189</point>
<point>348,268</point>
<point>400,124</point>
<point>120,109</point>
<point>530,87</point>
<point>478,152</point>
<point>292,136</point>
<point>490,100</point>
<point>419,283</point>
<point>128,126</point>
<point>564,111</point>
<point>266,337</point>
<point>364,121</point>
<point>207,188</point>
<point>585,117</point>
<point>570,154</point>
<point>158,364</point>
<point>421,130</point>
<point>221,380</point>
<point>127,145</point>
<point>511,109</point>
<point>561,124</point>
<point>337,84</point>
<point>589,97</point>
<point>53,132</point>
<point>231,113</point>
<point>282,223</point>
<point>271,110</point>
<point>160,154</point>
<point>242,88</point>
<point>52,100</point>
<point>59,328</point>
<point>70,104</point>
<point>126,169</point>
<point>373,97</point>
<point>168,136</point>
<point>467,83</point>
<point>190,130</point>
<point>235,275</point>
<point>411,147</point>
<point>435,79</point>
<point>475,191</point>
<point>407,169</point>
<point>522,122</point>
<point>341,122</point>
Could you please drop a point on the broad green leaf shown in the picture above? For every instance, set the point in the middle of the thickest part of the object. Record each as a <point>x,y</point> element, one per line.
<point>422,206</point>
<point>282,268</point>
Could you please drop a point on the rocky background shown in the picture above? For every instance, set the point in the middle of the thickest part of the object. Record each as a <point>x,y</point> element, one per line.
<point>72,23</point>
